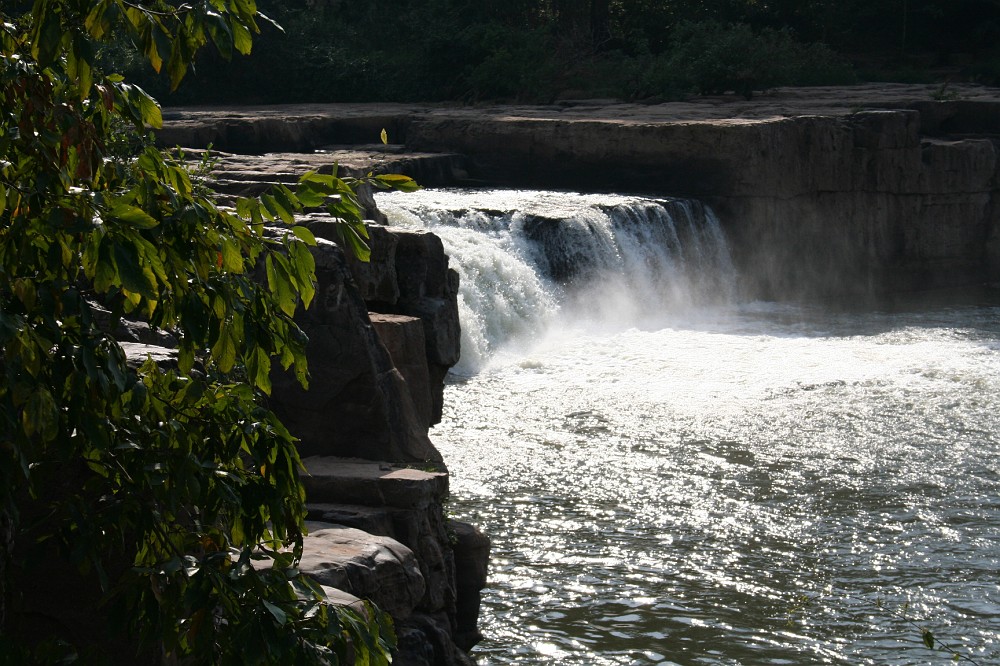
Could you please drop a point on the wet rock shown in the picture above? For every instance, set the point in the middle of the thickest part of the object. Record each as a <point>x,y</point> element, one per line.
<point>472,555</point>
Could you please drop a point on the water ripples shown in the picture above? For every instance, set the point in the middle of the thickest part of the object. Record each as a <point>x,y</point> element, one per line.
<point>670,497</point>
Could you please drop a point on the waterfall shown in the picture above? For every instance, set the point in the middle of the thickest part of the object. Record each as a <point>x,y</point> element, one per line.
<point>531,261</point>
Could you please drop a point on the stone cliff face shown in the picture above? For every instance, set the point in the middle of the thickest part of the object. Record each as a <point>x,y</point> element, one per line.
<point>839,193</point>
<point>376,382</point>
<point>375,484</point>
<point>842,206</point>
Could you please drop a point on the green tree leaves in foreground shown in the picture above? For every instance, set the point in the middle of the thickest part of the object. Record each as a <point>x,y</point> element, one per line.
<point>175,489</point>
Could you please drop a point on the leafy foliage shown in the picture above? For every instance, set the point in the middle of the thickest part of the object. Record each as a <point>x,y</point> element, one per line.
<point>175,487</point>
<point>713,58</point>
<point>544,50</point>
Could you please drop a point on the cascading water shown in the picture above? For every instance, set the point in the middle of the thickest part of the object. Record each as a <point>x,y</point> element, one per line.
<point>531,260</point>
<point>673,476</point>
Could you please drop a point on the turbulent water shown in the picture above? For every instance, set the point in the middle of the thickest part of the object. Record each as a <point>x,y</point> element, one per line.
<point>671,475</point>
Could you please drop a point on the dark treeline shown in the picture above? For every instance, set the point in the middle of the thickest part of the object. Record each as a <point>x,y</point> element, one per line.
<point>544,50</point>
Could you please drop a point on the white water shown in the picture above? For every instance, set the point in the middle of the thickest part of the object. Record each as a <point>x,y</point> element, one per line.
<point>672,476</point>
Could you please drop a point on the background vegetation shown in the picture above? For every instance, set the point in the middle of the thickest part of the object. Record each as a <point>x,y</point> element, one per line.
<point>546,50</point>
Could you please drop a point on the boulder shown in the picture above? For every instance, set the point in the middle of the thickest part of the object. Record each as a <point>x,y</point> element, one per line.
<point>406,505</point>
<point>364,565</point>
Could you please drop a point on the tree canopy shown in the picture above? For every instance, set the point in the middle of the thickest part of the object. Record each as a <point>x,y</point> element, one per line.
<point>543,50</point>
<point>170,485</point>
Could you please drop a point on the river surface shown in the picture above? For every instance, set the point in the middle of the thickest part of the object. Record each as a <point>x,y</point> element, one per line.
<point>673,475</point>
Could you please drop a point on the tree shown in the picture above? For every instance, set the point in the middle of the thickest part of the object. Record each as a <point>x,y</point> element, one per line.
<point>174,489</point>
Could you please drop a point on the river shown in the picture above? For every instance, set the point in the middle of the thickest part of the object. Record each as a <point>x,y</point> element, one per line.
<point>672,474</point>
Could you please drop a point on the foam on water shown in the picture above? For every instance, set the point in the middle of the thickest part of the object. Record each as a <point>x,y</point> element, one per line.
<point>671,476</point>
<point>530,260</point>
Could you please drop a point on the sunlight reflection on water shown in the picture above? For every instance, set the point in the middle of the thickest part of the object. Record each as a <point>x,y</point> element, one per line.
<point>743,492</point>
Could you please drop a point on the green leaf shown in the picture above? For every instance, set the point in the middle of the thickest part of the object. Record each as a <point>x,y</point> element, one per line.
<point>46,33</point>
<point>224,350</point>
<point>242,39</point>
<point>385,137</point>
<point>355,243</point>
<point>148,108</point>
<point>304,235</point>
<point>279,615</point>
<point>40,415</point>
<point>275,209</point>
<point>259,370</point>
<point>314,189</point>
<point>130,271</point>
<point>280,282</point>
<point>134,216</point>
<point>222,36</point>
<point>232,259</point>
<point>398,182</point>
<point>928,638</point>
<point>79,61</point>
<point>305,270</point>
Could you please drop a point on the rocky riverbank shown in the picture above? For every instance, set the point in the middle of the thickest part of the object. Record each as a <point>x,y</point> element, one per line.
<point>375,485</point>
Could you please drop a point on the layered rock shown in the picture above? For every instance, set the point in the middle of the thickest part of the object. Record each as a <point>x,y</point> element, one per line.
<point>378,530</point>
<point>848,192</point>
<point>401,506</point>
<point>842,206</point>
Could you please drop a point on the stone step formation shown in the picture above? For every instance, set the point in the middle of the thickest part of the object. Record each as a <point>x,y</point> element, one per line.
<point>382,336</point>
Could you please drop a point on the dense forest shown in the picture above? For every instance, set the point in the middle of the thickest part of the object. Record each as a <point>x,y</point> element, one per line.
<point>546,50</point>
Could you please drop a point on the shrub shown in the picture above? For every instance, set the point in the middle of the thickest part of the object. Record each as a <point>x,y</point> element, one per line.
<point>712,58</point>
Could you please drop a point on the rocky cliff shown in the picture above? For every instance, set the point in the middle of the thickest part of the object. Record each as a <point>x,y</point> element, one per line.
<point>375,485</point>
<point>844,206</point>
<point>841,193</point>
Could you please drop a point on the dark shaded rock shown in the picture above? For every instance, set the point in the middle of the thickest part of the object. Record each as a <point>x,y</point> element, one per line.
<point>358,404</point>
<point>428,290</point>
<point>403,337</point>
<point>376,278</point>
<point>425,640</point>
<point>338,480</point>
<point>406,505</point>
<point>472,555</point>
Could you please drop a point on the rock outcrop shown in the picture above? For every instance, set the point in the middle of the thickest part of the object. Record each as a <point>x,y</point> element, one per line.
<point>376,383</point>
<point>402,507</point>
<point>843,206</point>
<point>357,404</point>
<point>841,193</point>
